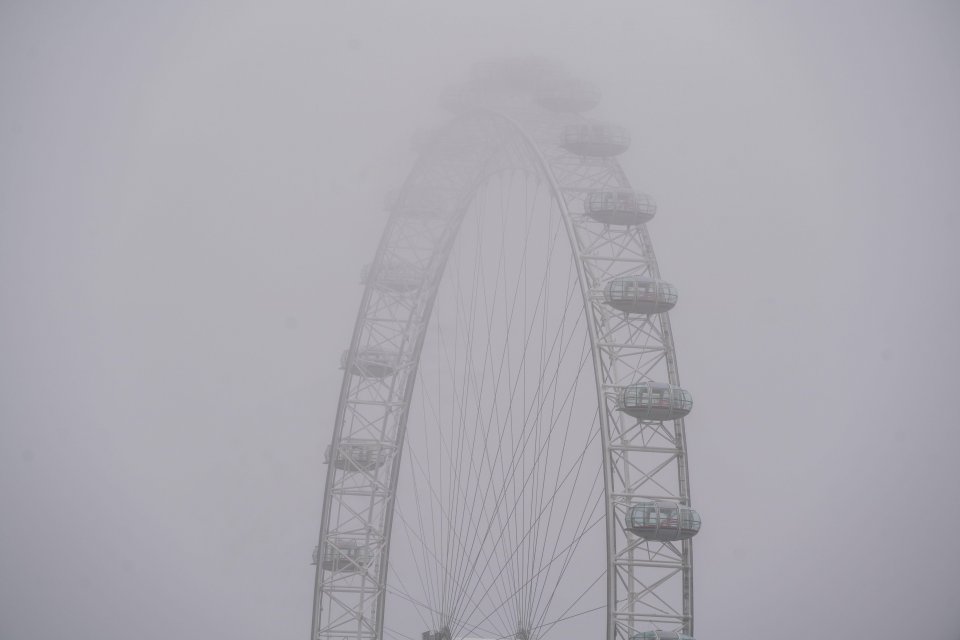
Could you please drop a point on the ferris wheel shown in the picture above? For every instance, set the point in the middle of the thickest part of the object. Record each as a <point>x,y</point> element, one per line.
<point>509,456</point>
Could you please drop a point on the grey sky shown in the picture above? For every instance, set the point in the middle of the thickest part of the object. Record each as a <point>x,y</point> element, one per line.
<point>189,190</point>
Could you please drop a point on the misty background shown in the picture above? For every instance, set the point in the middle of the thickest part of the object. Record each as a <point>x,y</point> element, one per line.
<point>188,192</point>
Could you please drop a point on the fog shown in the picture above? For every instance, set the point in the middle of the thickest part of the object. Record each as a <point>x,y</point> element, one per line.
<point>188,192</point>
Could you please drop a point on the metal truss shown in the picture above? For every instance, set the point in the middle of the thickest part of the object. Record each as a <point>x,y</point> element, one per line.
<point>649,584</point>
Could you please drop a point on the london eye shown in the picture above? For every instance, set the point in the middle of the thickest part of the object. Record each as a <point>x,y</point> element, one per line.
<point>509,454</point>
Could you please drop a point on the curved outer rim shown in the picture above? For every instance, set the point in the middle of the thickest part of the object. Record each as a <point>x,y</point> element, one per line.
<point>373,583</point>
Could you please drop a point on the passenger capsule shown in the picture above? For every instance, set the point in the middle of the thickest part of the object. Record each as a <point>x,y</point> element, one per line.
<point>636,294</point>
<point>595,139</point>
<point>568,96</point>
<point>357,455</point>
<point>620,207</point>
<point>654,401</point>
<point>662,520</point>
<point>660,635</point>
<point>397,277</point>
<point>442,634</point>
<point>370,363</point>
<point>342,556</point>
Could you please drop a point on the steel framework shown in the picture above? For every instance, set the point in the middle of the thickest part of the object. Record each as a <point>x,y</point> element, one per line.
<point>648,584</point>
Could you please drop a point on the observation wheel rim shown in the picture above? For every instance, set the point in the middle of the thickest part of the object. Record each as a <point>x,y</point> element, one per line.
<point>509,126</point>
